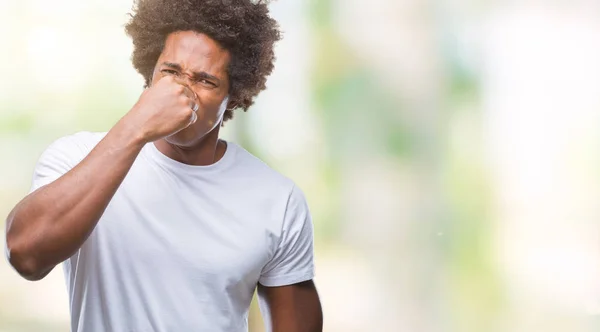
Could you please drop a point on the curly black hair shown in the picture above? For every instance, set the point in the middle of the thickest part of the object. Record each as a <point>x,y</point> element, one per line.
<point>242,27</point>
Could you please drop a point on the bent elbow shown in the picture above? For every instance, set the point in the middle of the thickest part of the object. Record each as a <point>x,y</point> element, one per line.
<point>24,263</point>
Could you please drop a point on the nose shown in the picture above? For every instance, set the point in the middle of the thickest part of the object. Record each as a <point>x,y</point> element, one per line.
<point>184,79</point>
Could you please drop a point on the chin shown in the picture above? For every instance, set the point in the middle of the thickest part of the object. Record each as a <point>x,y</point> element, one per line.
<point>191,136</point>
<point>188,137</point>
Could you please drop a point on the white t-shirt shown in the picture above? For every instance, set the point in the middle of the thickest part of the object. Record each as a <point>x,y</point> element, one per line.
<point>181,247</point>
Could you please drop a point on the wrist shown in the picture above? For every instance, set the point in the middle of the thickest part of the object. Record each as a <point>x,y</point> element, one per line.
<point>131,135</point>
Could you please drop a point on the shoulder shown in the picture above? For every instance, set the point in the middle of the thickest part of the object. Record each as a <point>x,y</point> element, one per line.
<point>62,155</point>
<point>269,186</point>
<point>257,172</point>
<point>80,140</point>
<point>73,147</point>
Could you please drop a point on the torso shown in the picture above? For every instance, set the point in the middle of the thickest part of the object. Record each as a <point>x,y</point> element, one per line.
<point>178,249</point>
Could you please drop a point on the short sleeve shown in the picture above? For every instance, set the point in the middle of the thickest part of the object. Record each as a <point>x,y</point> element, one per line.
<point>59,158</point>
<point>293,260</point>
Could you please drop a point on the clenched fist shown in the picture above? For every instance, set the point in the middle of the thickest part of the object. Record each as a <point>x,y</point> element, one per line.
<point>163,109</point>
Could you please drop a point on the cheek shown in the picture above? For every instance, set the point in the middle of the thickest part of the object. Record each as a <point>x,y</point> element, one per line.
<point>210,100</point>
<point>213,108</point>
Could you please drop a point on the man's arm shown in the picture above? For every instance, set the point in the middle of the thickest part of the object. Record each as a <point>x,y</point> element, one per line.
<point>287,295</point>
<point>293,308</point>
<point>50,224</point>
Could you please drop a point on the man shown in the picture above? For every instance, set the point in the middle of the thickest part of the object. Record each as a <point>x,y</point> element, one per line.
<point>160,225</point>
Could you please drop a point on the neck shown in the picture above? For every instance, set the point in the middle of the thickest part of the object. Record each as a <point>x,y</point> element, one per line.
<point>206,152</point>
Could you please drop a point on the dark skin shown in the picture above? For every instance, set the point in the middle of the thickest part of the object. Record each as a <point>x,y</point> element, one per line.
<point>41,231</point>
<point>294,308</point>
<point>200,64</point>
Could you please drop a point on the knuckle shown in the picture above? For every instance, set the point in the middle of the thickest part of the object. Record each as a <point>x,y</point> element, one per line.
<point>183,100</point>
<point>179,89</point>
<point>167,80</point>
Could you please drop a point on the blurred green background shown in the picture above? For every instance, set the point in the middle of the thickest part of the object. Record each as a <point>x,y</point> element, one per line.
<point>449,151</point>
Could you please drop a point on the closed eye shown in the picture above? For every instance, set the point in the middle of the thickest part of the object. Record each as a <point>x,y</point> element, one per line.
<point>169,71</point>
<point>206,82</point>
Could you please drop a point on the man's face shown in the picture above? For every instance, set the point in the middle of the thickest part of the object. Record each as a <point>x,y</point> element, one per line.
<point>199,62</point>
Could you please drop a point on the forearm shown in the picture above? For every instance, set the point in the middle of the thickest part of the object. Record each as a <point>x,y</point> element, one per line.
<point>52,223</point>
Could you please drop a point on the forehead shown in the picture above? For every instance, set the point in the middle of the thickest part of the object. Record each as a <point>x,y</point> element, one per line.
<point>195,52</point>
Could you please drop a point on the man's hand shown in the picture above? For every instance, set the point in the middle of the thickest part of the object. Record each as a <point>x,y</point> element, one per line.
<point>162,110</point>
<point>50,224</point>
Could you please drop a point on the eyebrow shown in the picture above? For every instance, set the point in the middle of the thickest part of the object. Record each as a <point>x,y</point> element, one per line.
<point>196,75</point>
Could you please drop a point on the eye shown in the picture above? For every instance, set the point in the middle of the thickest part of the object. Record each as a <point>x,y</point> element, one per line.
<point>206,82</point>
<point>169,72</point>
